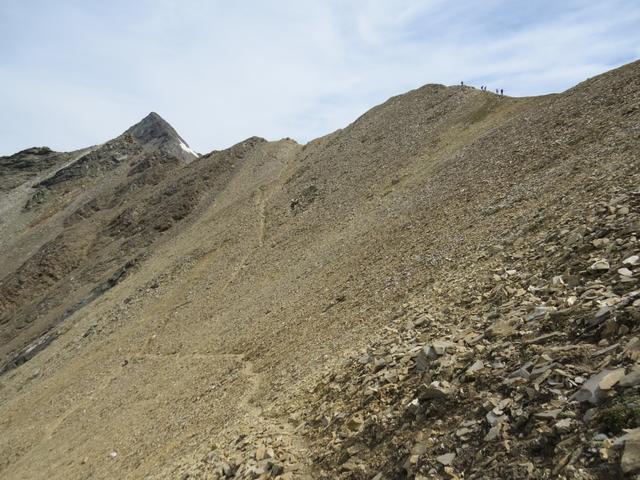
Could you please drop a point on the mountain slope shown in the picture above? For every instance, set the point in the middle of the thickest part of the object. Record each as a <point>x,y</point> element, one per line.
<point>282,294</point>
<point>63,236</point>
<point>154,133</point>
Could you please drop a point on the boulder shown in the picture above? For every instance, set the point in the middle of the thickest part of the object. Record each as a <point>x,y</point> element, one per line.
<point>594,390</point>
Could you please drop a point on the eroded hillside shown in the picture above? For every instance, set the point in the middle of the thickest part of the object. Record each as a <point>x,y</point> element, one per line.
<point>422,294</point>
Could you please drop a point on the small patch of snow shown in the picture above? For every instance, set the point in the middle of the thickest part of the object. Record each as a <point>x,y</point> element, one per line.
<point>189,150</point>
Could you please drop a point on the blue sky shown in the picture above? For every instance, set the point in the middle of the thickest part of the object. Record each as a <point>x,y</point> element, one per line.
<point>76,73</point>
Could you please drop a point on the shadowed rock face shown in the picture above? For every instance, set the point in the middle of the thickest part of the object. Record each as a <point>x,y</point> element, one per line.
<point>22,166</point>
<point>153,132</point>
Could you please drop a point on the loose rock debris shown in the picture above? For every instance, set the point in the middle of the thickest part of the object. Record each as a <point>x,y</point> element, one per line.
<point>537,379</point>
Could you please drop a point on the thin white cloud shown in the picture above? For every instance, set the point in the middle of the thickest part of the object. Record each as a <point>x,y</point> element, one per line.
<point>222,71</point>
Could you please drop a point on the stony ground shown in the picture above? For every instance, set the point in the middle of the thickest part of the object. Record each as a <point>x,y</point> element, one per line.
<point>446,288</point>
<point>526,369</point>
<point>531,373</point>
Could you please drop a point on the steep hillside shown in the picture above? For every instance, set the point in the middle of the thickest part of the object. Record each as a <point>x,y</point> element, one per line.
<point>445,288</point>
<point>61,250</point>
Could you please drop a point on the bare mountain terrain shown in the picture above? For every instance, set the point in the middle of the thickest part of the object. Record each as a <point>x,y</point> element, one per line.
<point>446,288</point>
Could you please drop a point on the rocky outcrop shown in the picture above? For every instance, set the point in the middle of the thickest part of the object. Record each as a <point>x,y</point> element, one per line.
<point>154,133</point>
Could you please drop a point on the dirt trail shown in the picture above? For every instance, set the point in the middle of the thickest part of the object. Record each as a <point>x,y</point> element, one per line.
<point>175,307</point>
<point>257,420</point>
<point>261,200</point>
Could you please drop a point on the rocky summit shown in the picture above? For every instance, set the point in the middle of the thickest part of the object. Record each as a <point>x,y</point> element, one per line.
<point>447,288</point>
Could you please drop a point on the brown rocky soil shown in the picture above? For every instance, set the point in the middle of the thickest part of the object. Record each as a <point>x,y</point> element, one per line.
<point>446,288</point>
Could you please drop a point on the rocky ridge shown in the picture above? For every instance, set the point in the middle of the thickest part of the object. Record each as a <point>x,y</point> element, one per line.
<point>445,288</point>
<point>154,133</point>
<point>18,168</point>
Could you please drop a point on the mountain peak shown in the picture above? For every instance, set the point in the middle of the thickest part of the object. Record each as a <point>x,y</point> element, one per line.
<point>154,132</point>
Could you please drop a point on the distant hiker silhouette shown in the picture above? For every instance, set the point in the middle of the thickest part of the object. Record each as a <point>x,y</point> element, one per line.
<point>496,91</point>
<point>501,91</point>
<point>461,83</point>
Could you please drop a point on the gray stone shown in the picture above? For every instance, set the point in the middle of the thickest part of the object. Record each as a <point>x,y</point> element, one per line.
<point>549,413</point>
<point>594,389</point>
<point>440,347</point>
<point>431,352</point>
<point>493,433</point>
<point>476,367</point>
<point>600,265</point>
<point>632,260</point>
<point>423,359</point>
<point>520,373</point>
<point>631,379</point>
<point>364,359</point>
<point>493,419</point>
<point>540,312</point>
<point>564,425</point>
<point>446,459</point>
<point>432,392</point>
